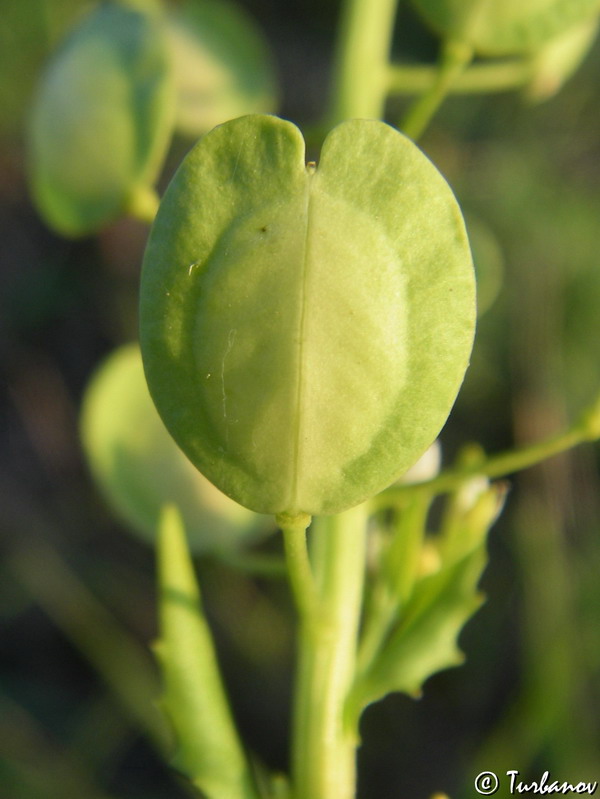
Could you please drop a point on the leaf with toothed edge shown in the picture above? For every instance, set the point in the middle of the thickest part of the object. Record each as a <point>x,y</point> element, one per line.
<point>305,329</point>
<point>425,639</point>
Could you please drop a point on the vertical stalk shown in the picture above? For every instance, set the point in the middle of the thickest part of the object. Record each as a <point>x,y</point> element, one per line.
<point>360,75</point>
<point>324,747</point>
<point>297,560</point>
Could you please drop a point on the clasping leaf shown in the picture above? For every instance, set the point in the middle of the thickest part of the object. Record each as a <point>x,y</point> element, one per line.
<point>423,638</point>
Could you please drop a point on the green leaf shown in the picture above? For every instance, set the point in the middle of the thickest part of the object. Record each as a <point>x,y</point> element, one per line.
<point>305,331</point>
<point>139,468</point>
<point>500,27</point>
<point>101,120</point>
<point>222,65</point>
<point>425,640</point>
<point>208,748</point>
<point>421,638</point>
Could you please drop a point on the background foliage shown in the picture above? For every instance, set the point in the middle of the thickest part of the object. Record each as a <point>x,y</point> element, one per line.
<point>77,611</point>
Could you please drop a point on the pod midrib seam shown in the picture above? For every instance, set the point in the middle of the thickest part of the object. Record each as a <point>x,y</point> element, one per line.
<point>300,376</point>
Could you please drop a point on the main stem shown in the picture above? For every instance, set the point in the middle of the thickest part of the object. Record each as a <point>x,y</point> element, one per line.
<point>324,746</point>
<point>360,75</point>
<point>329,587</point>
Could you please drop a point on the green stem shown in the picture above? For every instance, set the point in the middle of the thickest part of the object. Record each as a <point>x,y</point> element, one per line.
<point>142,204</point>
<point>587,428</point>
<point>324,747</point>
<point>454,59</point>
<point>361,60</point>
<point>495,77</point>
<point>298,562</point>
<point>258,565</point>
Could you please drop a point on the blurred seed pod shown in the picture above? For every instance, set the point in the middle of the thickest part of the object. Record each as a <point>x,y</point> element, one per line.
<point>139,468</point>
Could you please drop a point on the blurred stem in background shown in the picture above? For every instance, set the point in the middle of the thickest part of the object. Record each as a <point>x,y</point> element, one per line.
<point>119,660</point>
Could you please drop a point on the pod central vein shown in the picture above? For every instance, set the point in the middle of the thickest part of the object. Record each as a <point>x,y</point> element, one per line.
<point>298,433</point>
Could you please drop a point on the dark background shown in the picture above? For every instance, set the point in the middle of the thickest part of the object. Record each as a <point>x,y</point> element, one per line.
<point>528,696</point>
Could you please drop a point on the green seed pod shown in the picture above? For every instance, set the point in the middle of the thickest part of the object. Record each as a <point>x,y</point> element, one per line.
<point>101,120</point>
<point>221,63</point>
<point>305,330</point>
<point>502,27</point>
<point>140,470</point>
